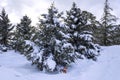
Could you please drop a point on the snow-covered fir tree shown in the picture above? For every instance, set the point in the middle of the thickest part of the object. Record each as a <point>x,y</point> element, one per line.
<point>5,28</point>
<point>23,33</point>
<point>54,50</point>
<point>107,25</point>
<point>80,24</point>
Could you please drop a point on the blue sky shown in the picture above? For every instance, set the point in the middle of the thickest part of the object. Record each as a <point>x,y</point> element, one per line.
<point>33,8</point>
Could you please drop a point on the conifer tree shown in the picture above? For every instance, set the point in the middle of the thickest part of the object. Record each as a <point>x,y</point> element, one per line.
<point>80,25</point>
<point>24,27</point>
<point>22,33</point>
<point>55,51</point>
<point>107,25</point>
<point>5,28</point>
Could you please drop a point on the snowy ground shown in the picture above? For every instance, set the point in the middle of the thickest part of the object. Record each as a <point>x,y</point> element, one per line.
<point>14,66</point>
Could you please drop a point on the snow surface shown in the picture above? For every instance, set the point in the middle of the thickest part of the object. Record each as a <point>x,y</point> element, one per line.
<point>14,66</point>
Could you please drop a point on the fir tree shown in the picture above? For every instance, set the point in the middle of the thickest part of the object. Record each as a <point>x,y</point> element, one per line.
<point>107,25</point>
<point>53,42</point>
<point>5,28</point>
<point>22,33</point>
<point>24,27</point>
<point>80,25</point>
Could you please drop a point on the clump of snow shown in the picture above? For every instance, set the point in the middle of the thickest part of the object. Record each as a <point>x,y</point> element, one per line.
<point>75,34</point>
<point>36,56</point>
<point>76,19</point>
<point>87,37</point>
<point>56,20</point>
<point>62,24</point>
<point>35,47</point>
<point>72,16</point>
<point>67,45</point>
<point>73,26</point>
<point>50,63</point>
<point>57,42</point>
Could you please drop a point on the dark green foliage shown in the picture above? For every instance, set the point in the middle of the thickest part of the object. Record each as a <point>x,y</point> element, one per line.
<point>5,28</point>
